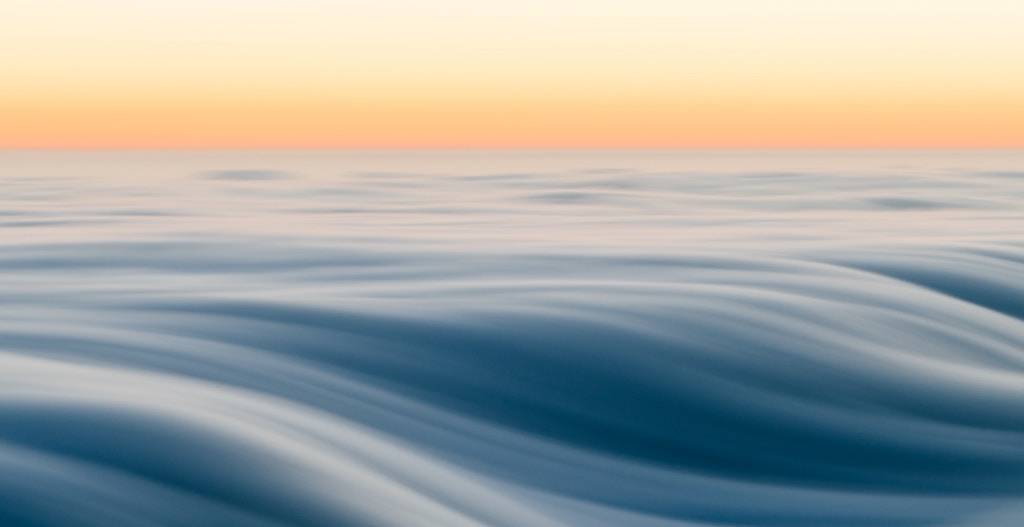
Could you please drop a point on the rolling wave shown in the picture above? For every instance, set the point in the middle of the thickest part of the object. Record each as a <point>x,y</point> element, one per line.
<point>718,364</point>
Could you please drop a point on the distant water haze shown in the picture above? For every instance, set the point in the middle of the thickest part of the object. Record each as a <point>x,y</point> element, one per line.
<point>512,338</point>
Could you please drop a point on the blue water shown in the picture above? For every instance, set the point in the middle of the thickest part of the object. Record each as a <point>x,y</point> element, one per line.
<point>512,339</point>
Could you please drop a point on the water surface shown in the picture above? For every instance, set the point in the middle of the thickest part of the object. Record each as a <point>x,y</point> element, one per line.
<point>512,338</point>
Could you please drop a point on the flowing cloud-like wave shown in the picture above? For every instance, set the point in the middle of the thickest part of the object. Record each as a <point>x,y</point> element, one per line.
<point>328,378</point>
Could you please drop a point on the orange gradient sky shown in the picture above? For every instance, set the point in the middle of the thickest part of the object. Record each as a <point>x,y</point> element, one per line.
<point>529,73</point>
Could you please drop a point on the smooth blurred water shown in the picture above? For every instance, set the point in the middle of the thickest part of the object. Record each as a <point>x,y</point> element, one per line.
<point>512,338</point>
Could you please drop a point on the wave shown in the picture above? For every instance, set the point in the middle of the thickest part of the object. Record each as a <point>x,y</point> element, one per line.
<point>876,388</point>
<point>744,369</point>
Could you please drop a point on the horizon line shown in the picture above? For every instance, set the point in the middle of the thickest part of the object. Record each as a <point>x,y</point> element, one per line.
<point>511,148</point>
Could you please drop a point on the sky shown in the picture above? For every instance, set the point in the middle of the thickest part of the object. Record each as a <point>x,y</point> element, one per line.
<point>516,74</point>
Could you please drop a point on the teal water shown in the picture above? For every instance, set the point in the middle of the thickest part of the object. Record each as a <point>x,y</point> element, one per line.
<point>512,338</point>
